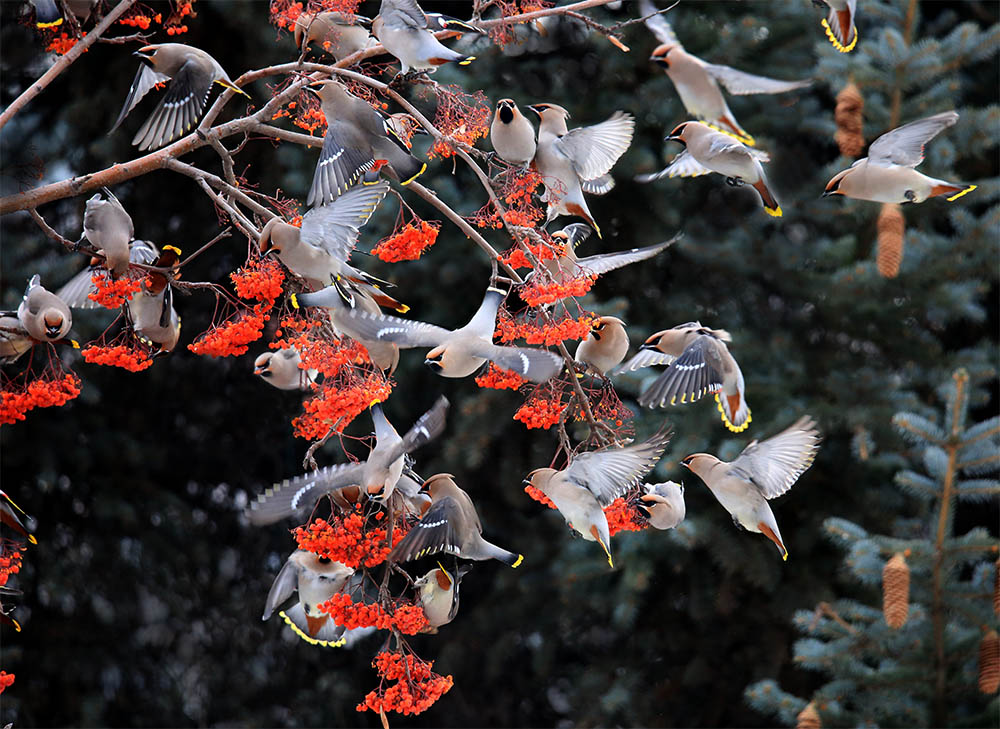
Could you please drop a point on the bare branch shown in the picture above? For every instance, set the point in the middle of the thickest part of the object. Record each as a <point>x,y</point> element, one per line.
<point>123,39</point>
<point>63,63</point>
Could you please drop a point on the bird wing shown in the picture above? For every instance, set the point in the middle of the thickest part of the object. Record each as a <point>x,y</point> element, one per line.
<point>340,166</point>
<point>577,233</point>
<point>402,14</point>
<point>142,251</point>
<point>76,291</point>
<point>438,531</point>
<point>283,587</point>
<point>179,108</point>
<point>428,427</point>
<point>610,473</point>
<point>334,228</point>
<point>740,83</point>
<point>298,495</point>
<point>594,150</point>
<point>404,332</point>
<point>657,24</point>
<point>145,79</point>
<point>596,265</point>
<point>645,358</point>
<point>696,372</point>
<point>537,365</point>
<point>683,165</point>
<point>775,464</point>
<point>905,146</point>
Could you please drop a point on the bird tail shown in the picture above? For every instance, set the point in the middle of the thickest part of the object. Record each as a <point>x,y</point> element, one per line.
<point>774,536</point>
<point>951,190</point>
<point>771,206</point>
<point>232,87</point>
<point>508,558</point>
<point>839,29</point>
<point>313,631</point>
<point>47,14</point>
<point>581,211</point>
<point>734,411</point>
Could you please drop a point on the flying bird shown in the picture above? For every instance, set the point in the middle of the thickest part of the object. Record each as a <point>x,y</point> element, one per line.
<point>191,73</point>
<point>697,82</point>
<point>592,480</point>
<point>763,471</point>
<point>568,266</point>
<point>407,32</point>
<point>663,504</point>
<point>888,173</point>
<point>315,579</point>
<point>700,363</point>
<point>839,24</point>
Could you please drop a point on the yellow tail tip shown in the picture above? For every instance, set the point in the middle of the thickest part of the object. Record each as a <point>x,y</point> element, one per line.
<point>31,538</point>
<point>467,60</point>
<point>784,557</point>
<point>74,343</point>
<point>836,43</point>
<point>175,249</point>
<point>295,301</point>
<point>402,308</point>
<point>53,24</point>
<point>423,168</point>
<point>773,212</point>
<point>957,195</point>
<point>520,558</point>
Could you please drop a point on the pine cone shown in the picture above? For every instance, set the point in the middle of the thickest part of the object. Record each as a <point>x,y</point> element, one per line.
<point>896,591</point>
<point>989,663</point>
<point>848,115</point>
<point>891,228</point>
<point>996,589</point>
<point>808,718</point>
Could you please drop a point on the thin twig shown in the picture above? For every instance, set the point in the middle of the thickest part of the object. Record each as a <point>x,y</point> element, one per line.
<point>122,39</point>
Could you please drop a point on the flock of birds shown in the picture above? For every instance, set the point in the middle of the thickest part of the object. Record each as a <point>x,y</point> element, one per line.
<point>361,145</point>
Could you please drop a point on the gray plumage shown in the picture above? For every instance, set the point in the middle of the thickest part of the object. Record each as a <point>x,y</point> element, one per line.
<point>281,369</point>
<point>315,579</point>
<point>512,135</point>
<point>408,34</point>
<point>42,314</point>
<point>438,594</point>
<point>337,34</point>
<point>663,504</point>
<point>109,229</point>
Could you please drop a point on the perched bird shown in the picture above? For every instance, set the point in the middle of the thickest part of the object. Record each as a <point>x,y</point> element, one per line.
<point>48,13</point>
<point>699,363</point>
<point>567,266</point>
<point>697,82</point>
<point>318,251</point>
<point>593,480</point>
<point>578,161</point>
<point>451,525</point>
<point>14,340</point>
<point>718,152</point>
<point>456,353</point>
<point>762,471</point>
<point>378,475</point>
<point>663,504</point>
<point>42,314</point>
<point>338,34</point>
<point>356,138</point>
<point>281,369</point>
<point>108,227</point>
<point>191,73</point>
<point>316,579</point>
<point>14,517</point>
<point>888,173</point>
<point>437,593</point>
<point>839,25</point>
<point>605,345</point>
<point>512,135</point>
<point>407,32</point>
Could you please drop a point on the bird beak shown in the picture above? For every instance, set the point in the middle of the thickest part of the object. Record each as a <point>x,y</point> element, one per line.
<point>673,138</point>
<point>363,21</point>
<point>258,370</point>
<point>829,193</point>
<point>642,510</point>
<point>646,345</point>
<point>526,481</point>
<point>534,109</point>
<point>433,364</point>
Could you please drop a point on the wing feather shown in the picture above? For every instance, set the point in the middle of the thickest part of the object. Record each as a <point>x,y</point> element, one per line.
<point>610,473</point>
<point>776,463</point>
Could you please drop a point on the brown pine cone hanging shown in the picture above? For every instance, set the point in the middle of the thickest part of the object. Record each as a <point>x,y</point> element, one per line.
<point>891,230</point>
<point>989,663</point>
<point>996,588</point>
<point>896,591</point>
<point>848,115</point>
<point>808,718</point>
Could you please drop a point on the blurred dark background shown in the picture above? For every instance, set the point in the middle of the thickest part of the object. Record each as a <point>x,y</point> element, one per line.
<point>142,600</point>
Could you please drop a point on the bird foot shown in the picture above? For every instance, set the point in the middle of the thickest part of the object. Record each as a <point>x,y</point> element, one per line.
<point>735,182</point>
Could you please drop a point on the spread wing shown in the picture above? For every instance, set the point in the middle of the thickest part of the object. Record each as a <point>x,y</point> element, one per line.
<point>609,474</point>
<point>595,149</point>
<point>402,14</point>
<point>905,146</point>
<point>283,587</point>
<point>740,83</point>
<point>340,166</point>
<point>297,496</point>
<point>645,358</point>
<point>683,165</point>
<point>179,108</point>
<point>334,228</point>
<point>775,464</point>
<point>696,372</point>
<point>145,79</point>
<point>437,531</point>
<point>404,332</point>
<point>657,24</point>
<point>537,365</point>
<point>596,265</point>
<point>428,427</point>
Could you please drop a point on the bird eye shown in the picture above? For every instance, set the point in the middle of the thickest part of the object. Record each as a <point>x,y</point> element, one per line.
<point>323,560</point>
<point>266,373</point>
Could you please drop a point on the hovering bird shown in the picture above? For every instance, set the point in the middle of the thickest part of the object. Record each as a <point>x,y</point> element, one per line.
<point>108,227</point>
<point>888,173</point>
<point>699,363</point>
<point>451,525</point>
<point>437,593</point>
<point>281,369</point>
<point>697,82</point>
<point>14,517</point>
<point>512,135</point>
<point>377,476</point>
<point>718,152</point>
<point>338,34</point>
<point>839,25</point>
<point>357,138</point>
<point>578,161</point>
<point>42,314</point>
<point>764,470</point>
<point>663,504</point>
<point>456,353</point>
<point>191,73</point>
<point>316,579</point>
<point>604,347</point>
<point>567,266</point>
<point>407,32</point>
<point>592,480</point>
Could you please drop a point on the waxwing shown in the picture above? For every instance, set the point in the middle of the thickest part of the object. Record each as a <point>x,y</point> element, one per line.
<point>839,24</point>
<point>338,34</point>
<point>109,229</point>
<point>42,314</point>
<point>281,369</point>
<point>315,579</point>
<point>512,135</point>
<point>605,345</point>
<point>437,593</point>
<point>14,340</point>
<point>662,504</point>
<point>407,32</point>
<point>568,266</point>
<point>13,517</point>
